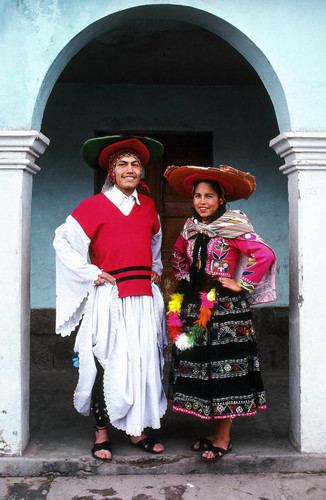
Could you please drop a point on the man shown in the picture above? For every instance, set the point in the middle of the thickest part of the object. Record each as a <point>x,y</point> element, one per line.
<point>121,339</point>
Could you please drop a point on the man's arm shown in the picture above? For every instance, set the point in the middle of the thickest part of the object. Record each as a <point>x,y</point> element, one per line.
<point>157,266</point>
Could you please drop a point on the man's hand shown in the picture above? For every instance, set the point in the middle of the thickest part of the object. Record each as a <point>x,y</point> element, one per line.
<point>230,283</point>
<point>104,276</point>
<point>155,277</point>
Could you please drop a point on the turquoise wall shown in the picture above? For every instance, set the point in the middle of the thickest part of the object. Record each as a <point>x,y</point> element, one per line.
<point>284,40</point>
<point>242,120</point>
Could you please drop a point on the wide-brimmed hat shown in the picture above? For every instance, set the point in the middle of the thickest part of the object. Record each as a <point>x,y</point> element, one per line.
<point>97,152</point>
<point>236,184</point>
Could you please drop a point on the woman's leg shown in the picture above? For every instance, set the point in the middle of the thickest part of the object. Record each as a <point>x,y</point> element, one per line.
<point>221,433</point>
<point>220,436</point>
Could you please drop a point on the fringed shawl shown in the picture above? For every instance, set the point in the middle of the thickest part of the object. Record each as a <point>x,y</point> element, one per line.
<point>232,224</point>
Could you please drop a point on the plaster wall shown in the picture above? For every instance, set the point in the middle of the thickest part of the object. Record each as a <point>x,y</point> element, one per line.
<point>284,44</point>
<point>312,192</point>
<point>241,119</point>
<point>14,359</point>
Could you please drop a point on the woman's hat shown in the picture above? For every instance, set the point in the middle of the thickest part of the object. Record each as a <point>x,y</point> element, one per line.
<point>98,151</point>
<point>236,184</point>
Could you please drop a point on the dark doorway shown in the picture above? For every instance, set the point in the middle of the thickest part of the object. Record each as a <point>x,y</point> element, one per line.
<point>180,149</point>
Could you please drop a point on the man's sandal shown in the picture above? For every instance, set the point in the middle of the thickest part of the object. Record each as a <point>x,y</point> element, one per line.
<point>203,444</point>
<point>217,452</point>
<point>105,446</point>
<point>147,444</point>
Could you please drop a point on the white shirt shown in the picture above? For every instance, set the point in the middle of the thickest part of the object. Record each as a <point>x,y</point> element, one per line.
<point>121,201</point>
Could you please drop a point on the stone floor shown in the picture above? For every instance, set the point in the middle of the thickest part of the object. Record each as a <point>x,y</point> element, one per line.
<point>61,439</point>
<point>274,486</point>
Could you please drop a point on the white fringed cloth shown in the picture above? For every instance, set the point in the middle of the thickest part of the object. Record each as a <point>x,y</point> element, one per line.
<point>126,335</point>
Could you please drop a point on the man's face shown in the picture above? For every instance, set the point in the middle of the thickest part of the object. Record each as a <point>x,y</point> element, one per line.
<point>127,174</point>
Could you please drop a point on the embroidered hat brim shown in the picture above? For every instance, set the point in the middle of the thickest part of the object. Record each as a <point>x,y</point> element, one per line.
<point>93,148</point>
<point>236,184</point>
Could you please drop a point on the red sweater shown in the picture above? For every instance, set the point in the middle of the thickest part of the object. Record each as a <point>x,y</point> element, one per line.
<point>121,244</point>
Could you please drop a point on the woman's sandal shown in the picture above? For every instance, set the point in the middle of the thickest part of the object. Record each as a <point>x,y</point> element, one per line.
<point>203,444</point>
<point>105,446</point>
<point>217,452</point>
<point>147,444</point>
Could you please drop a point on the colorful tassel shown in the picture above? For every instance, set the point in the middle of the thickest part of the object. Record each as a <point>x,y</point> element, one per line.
<point>198,332</point>
<point>182,342</point>
<point>173,319</point>
<point>175,332</point>
<point>181,339</point>
<point>175,303</point>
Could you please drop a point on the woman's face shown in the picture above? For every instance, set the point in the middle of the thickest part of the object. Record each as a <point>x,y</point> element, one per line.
<point>206,200</point>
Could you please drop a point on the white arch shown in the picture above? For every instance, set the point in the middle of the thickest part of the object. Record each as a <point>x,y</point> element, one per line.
<point>210,22</point>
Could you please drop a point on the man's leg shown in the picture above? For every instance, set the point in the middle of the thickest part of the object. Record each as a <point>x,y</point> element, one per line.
<point>157,448</point>
<point>100,414</point>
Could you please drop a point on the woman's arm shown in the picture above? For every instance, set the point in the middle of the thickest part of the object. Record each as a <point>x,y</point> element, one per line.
<point>179,259</point>
<point>259,258</point>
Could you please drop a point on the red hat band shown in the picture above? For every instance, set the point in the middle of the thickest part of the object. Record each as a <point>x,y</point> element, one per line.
<point>189,182</point>
<point>236,184</point>
<point>133,146</point>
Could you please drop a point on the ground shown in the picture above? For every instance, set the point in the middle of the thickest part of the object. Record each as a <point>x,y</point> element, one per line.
<point>301,486</point>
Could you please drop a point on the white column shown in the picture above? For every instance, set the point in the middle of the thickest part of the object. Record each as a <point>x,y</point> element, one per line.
<point>305,164</point>
<point>18,151</point>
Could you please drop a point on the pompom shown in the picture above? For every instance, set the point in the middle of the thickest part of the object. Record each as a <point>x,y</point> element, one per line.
<point>174,332</point>
<point>191,338</point>
<point>211,296</point>
<point>204,316</point>
<point>182,342</point>
<point>198,332</point>
<point>173,319</point>
<point>175,302</point>
<point>208,299</point>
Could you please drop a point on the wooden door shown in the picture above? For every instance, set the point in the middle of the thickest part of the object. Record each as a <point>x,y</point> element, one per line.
<point>180,149</point>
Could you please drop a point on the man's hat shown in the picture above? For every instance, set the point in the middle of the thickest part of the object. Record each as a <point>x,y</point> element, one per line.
<point>236,184</point>
<point>97,152</point>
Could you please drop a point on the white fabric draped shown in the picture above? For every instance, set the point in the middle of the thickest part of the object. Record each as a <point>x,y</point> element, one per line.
<point>74,275</point>
<point>126,335</point>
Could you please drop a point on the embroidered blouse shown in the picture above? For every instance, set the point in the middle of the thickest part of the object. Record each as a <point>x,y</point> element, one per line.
<point>234,251</point>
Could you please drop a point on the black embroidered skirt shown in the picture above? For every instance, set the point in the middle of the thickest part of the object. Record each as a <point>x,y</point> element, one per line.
<point>219,377</point>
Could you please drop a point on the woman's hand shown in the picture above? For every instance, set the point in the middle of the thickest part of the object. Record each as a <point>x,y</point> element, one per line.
<point>155,277</point>
<point>230,283</point>
<point>104,276</point>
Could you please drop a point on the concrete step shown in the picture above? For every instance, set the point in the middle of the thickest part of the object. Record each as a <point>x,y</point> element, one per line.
<point>61,439</point>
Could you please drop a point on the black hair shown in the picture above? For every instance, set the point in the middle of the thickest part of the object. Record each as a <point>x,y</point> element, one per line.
<point>197,274</point>
<point>217,188</point>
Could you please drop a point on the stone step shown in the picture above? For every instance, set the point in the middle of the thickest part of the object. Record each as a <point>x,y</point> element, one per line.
<point>61,439</point>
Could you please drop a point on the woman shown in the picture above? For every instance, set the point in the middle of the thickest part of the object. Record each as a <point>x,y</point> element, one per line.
<point>219,261</point>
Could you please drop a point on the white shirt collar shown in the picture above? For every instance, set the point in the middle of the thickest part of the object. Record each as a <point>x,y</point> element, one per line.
<point>118,197</point>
